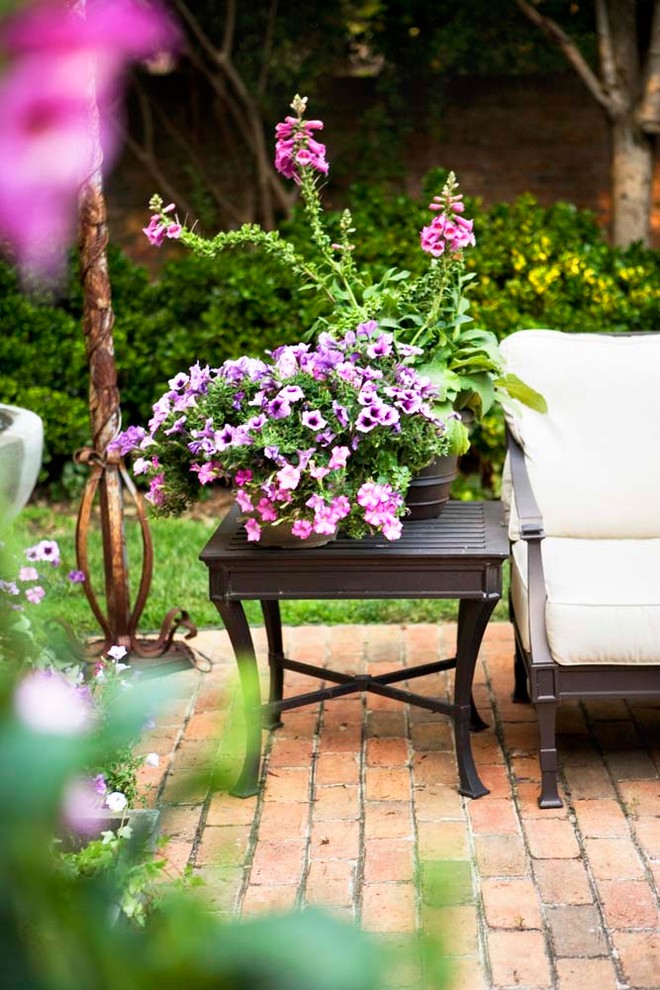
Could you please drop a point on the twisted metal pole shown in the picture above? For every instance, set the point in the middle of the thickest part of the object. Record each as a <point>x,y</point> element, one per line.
<point>108,477</point>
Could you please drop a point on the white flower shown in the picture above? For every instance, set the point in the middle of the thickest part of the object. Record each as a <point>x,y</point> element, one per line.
<point>46,702</point>
<point>116,801</point>
<point>121,666</point>
<point>117,652</point>
<point>151,760</point>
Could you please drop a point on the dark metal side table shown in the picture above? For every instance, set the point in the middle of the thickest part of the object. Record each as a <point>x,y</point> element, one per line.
<point>459,555</point>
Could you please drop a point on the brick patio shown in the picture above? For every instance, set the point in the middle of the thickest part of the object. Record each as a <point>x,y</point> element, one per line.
<point>359,814</point>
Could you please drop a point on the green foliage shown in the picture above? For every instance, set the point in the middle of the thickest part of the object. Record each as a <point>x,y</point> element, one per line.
<point>137,879</point>
<point>535,267</point>
<point>60,924</point>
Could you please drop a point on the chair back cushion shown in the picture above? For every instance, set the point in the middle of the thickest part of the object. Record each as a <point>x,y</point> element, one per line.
<point>594,457</point>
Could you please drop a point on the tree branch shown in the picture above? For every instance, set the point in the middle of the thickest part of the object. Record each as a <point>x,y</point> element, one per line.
<point>648,114</point>
<point>572,53</point>
<point>230,25</point>
<point>267,50</point>
<point>605,46</point>
<point>164,185</point>
<point>196,30</point>
<point>198,162</point>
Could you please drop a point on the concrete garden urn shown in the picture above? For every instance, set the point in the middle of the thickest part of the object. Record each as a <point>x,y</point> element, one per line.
<point>21,445</point>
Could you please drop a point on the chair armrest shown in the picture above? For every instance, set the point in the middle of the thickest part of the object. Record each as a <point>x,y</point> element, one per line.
<point>530,524</point>
<point>530,520</point>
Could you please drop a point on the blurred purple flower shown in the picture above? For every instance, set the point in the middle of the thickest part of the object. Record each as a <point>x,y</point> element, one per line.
<point>44,550</point>
<point>76,577</point>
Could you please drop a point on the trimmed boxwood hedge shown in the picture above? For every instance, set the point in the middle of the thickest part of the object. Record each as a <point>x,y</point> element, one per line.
<point>537,267</point>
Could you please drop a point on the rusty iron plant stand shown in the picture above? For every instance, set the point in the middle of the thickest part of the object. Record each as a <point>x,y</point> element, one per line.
<point>108,476</point>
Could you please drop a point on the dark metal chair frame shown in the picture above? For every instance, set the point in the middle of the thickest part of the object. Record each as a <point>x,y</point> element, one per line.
<point>536,673</point>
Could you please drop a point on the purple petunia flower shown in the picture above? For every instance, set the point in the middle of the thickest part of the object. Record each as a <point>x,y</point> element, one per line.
<point>341,412</point>
<point>176,427</point>
<point>76,577</point>
<point>128,440</point>
<point>367,420</point>
<point>44,550</point>
<point>313,420</point>
<point>278,408</point>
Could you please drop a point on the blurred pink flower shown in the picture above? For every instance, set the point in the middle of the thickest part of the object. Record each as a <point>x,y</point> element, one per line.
<point>81,804</point>
<point>47,703</point>
<point>35,594</point>
<point>47,141</point>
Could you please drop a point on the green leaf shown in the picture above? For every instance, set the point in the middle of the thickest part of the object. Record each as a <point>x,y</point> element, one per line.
<point>517,389</point>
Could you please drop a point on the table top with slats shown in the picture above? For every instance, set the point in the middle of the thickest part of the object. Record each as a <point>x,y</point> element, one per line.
<point>451,556</point>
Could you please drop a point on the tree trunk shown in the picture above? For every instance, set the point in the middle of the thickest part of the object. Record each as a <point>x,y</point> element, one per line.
<point>632,182</point>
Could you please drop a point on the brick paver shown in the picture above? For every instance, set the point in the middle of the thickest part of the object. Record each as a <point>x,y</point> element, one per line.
<point>359,814</point>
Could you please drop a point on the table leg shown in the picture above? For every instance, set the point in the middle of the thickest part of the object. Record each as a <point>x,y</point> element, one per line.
<point>473,617</point>
<point>273,624</point>
<point>233,616</point>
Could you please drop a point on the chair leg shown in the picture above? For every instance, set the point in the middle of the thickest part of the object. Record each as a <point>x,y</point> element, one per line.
<point>520,689</point>
<point>546,713</point>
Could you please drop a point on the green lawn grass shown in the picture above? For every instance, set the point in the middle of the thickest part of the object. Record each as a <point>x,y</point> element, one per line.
<point>180,579</point>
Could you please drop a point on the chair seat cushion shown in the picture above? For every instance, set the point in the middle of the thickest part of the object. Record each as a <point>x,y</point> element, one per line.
<point>603,599</point>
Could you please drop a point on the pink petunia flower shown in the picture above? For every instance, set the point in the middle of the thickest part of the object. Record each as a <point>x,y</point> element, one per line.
<point>253,530</point>
<point>28,574</point>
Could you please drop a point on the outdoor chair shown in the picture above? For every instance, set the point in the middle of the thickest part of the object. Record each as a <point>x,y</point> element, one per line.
<point>582,489</point>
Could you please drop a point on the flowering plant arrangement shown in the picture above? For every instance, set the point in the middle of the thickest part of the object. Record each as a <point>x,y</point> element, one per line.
<point>57,690</point>
<point>313,436</point>
<point>430,312</point>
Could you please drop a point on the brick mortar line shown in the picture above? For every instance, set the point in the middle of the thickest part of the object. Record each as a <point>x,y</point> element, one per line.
<point>358,888</point>
<point>206,804</point>
<point>629,816</point>
<point>178,739</point>
<point>513,784</point>
<point>584,858</point>
<point>311,786</point>
<point>573,820</point>
<point>253,838</point>
<point>482,924</point>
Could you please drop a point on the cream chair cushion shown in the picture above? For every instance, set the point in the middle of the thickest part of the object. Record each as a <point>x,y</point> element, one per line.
<point>594,459</point>
<point>603,603</point>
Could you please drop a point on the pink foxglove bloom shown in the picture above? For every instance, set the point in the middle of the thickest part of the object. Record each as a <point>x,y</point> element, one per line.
<point>448,230</point>
<point>47,703</point>
<point>296,148</point>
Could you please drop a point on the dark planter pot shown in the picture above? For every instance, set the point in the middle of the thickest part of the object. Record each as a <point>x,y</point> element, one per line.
<point>429,490</point>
